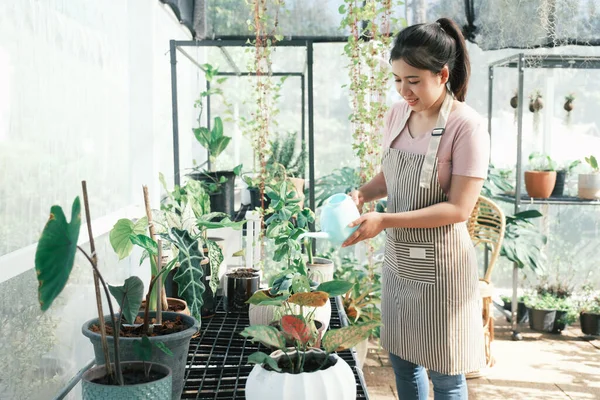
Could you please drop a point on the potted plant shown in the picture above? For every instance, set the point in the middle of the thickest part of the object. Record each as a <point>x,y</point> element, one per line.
<point>540,179</point>
<point>301,369</point>
<point>551,309</point>
<point>589,312</point>
<point>54,259</point>
<point>283,152</point>
<point>561,176</point>
<point>535,106</point>
<point>589,184</point>
<point>522,313</point>
<point>568,107</point>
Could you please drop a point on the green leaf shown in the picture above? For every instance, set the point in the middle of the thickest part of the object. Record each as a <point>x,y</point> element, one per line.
<point>129,297</point>
<point>189,275</point>
<point>143,348</point>
<point>300,284</point>
<point>215,255</point>
<point>202,135</point>
<point>163,347</point>
<point>217,130</point>
<point>261,358</point>
<point>55,253</point>
<point>120,235</point>
<point>267,335</point>
<point>335,288</point>
<point>347,337</point>
<point>261,298</point>
<point>238,169</point>
<point>342,9</point>
<point>145,243</point>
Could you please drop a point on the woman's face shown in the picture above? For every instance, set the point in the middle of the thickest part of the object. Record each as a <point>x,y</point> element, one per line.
<point>419,87</point>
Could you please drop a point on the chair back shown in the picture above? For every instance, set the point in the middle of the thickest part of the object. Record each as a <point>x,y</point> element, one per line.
<point>486,226</point>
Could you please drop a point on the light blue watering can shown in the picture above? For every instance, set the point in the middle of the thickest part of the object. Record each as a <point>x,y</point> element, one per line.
<point>337,213</point>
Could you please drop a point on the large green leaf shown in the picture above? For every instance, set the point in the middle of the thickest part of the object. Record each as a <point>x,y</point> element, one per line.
<point>310,299</point>
<point>202,135</point>
<point>55,253</point>
<point>120,235</point>
<point>215,255</point>
<point>261,358</point>
<point>145,243</point>
<point>129,296</point>
<point>261,298</point>
<point>189,275</point>
<point>347,337</point>
<point>218,146</point>
<point>335,288</point>
<point>267,335</point>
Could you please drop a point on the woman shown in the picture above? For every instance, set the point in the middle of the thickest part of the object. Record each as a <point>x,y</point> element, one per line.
<point>435,159</point>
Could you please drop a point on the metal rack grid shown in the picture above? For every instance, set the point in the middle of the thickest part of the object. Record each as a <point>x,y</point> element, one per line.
<point>217,365</point>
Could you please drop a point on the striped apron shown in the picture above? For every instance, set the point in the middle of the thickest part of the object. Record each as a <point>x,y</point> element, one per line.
<point>430,295</point>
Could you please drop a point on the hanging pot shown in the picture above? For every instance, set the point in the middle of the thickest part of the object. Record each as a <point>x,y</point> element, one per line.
<point>514,101</point>
<point>568,106</point>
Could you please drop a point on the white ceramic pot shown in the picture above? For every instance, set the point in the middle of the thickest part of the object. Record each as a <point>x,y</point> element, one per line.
<point>589,186</point>
<point>263,315</point>
<point>361,352</point>
<point>321,270</point>
<point>333,383</point>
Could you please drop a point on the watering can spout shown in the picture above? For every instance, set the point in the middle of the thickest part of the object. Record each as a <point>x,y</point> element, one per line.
<point>315,235</point>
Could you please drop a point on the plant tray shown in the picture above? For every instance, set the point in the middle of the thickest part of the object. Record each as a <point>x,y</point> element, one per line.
<point>217,366</point>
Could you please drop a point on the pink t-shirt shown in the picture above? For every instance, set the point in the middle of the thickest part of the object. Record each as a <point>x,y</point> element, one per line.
<point>464,147</point>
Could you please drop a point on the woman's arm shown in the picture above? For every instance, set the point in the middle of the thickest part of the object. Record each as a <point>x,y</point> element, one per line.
<point>464,192</point>
<point>373,190</point>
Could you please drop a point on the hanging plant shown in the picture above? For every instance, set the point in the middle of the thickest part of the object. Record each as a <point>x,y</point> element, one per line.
<point>535,106</point>
<point>569,107</point>
<point>514,103</point>
<point>369,23</point>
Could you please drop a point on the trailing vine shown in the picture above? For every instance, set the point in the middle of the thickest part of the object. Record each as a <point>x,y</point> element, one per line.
<point>369,24</point>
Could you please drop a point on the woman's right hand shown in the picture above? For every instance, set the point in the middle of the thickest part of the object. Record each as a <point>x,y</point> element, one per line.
<point>358,199</point>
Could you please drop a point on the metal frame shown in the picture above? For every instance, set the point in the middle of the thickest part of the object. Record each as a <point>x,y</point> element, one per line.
<point>523,61</point>
<point>306,81</point>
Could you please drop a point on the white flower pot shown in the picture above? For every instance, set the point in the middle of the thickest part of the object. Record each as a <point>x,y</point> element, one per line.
<point>321,270</point>
<point>263,315</point>
<point>333,383</point>
<point>589,186</point>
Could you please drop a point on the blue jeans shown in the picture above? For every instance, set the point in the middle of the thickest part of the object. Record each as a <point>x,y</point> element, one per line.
<point>413,384</point>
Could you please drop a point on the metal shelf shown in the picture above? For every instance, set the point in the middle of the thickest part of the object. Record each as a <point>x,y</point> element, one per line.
<point>562,200</point>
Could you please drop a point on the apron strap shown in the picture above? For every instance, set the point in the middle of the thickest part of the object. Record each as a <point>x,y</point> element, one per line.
<point>434,142</point>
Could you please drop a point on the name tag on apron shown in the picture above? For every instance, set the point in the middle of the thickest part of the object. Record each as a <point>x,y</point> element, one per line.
<point>417,252</point>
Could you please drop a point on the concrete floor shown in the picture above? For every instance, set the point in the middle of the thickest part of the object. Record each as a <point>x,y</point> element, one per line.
<point>541,367</point>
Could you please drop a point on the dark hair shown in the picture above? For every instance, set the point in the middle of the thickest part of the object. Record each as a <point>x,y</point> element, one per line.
<point>431,46</point>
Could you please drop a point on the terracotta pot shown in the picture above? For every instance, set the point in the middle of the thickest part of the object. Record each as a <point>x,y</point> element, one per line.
<point>539,184</point>
<point>172,301</point>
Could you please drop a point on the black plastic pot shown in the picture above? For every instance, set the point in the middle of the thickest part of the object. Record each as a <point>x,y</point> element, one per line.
<point>590,323</point>
<point>522,312</point>
<point>255,199</point>
<point>223,200</point>
<point>551,321</point>
<point>240,285</point>
<point>559,186</point>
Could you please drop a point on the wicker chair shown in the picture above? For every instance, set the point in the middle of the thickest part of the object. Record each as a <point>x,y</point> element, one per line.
<point>486,226</point>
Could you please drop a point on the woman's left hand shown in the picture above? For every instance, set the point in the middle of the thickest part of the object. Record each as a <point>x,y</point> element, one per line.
<point>371,224</point>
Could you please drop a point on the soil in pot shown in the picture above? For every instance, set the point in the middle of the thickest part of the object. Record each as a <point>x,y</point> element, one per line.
<point>174,306</point>
<point>133,376</point>
<point>312,362</point>
<point>166,328</point>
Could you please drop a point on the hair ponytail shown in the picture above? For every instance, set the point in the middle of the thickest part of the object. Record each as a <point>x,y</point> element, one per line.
<point>431,47</point>
<point>461,70</point>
